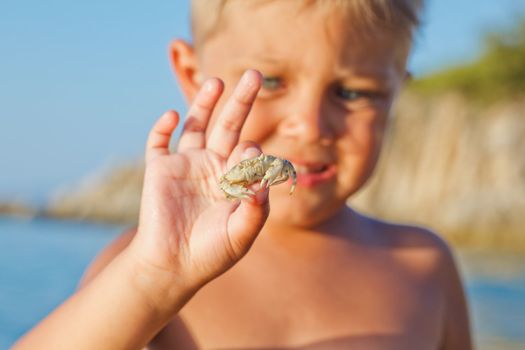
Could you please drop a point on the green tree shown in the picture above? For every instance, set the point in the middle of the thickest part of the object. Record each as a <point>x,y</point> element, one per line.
<point>499,73</point>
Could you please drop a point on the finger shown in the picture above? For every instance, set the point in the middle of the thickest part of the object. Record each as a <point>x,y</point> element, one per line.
<point>198,116</point>
<point>226,131</point>
<point>160,135</point>
<point>246,222</point>
<point>244,150</point>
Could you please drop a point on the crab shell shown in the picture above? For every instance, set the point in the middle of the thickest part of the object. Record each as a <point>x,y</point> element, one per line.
<point>268,169</point>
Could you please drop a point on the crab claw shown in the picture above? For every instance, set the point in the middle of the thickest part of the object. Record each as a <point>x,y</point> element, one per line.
<point>294,182</point>
<point>290,170</point>
<point>279,171</point>
<point>236,191</point>
<point>273,175</point>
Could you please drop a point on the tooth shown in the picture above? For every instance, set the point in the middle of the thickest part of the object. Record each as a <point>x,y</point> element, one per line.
<point>301,169</point>
<point>304,169</point>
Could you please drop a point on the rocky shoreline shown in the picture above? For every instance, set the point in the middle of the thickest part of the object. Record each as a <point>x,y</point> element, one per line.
<point>111,197</point>
<point>19,209</point>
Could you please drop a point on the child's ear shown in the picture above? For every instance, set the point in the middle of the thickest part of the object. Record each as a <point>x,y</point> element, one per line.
<point>184,62</point>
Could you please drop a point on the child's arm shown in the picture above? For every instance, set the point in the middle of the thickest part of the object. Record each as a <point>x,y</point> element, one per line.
<point>187,235</point>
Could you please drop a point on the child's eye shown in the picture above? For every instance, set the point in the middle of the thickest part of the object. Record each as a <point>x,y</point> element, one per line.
<point>351,95</point>
<point>272,87</point>
<point>347,94</point>
<point>272,83</point>
<point>357,98</point>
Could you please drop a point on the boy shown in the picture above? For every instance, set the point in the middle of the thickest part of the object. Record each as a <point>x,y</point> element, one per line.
<point>320,275</point>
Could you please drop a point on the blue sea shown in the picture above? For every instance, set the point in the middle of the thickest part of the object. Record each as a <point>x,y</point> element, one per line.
<point>41,262</point>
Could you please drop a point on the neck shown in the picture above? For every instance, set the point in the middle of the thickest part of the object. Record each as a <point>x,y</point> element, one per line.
<point>343,225</point>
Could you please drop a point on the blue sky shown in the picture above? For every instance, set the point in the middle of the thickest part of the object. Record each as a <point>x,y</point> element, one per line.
<point>82,82</point>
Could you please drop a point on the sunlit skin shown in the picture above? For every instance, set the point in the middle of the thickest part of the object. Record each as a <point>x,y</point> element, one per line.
<point>206,273</point>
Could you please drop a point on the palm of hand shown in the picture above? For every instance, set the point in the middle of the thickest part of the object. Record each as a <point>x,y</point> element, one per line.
<point>185,222</point>
<point>191,215</point>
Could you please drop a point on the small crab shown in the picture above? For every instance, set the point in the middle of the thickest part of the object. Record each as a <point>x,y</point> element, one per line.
<point>268,169</point>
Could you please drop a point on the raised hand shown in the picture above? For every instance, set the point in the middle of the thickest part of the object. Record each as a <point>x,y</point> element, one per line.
<point>186,225</point>
<point>188,233</point>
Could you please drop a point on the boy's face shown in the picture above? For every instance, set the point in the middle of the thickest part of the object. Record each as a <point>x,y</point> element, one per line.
<point>324,103</point>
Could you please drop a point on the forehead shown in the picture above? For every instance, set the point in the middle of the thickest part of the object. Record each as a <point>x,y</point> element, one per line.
<point>290,33</point>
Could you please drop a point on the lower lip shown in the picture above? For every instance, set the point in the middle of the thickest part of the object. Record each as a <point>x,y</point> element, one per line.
<point>314,179</point>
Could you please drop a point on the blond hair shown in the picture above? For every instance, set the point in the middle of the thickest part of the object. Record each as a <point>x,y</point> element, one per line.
<point>399,17</point>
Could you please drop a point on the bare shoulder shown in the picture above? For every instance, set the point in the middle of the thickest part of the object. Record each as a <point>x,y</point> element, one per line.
<point>107,255</point>
<point>418,240</point>
<point>421,248</point>
<point>427,253</point>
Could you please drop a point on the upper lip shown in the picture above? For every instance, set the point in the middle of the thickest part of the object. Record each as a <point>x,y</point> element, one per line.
<point>306,156</point>
<point>303,166</point>
<point>309,163</point>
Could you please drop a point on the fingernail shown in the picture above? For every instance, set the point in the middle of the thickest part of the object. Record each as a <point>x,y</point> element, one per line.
<point>247,78</point>
<point>208,85</point>
<point>251,152</point>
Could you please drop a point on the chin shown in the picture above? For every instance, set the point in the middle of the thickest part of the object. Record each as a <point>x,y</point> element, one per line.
<point>293,221</point>
<point>304,209</point>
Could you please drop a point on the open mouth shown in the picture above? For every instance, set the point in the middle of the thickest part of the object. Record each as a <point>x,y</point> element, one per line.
<point>311,169</point>
<point>309,175</point>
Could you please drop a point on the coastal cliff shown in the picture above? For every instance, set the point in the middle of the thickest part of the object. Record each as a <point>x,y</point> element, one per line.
<point>111,196</point>
<point>456,167</point>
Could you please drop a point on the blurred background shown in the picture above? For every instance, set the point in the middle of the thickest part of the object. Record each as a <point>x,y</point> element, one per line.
<point>82,82</point>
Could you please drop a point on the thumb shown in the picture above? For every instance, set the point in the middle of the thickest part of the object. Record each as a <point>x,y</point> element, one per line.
<point>247,220</point>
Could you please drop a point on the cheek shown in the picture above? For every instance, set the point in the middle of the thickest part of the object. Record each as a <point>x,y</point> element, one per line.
<point>259,125</point>
<point>360,148</point>
<point>363,133</point>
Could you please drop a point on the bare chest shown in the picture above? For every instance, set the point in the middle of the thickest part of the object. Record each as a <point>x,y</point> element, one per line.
<point>329,305</point>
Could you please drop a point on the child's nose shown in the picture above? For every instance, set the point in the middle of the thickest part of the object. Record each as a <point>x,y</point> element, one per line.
<point>308,123</point>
